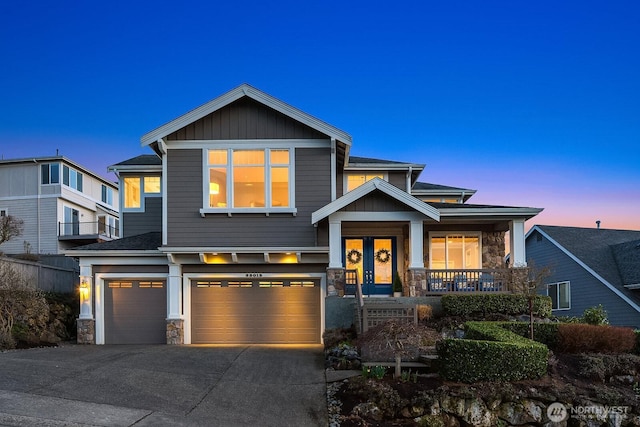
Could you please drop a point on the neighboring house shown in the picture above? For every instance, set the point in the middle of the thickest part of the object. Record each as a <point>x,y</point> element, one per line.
<point>62,204</point>
<point>589,266</point>
<point>248,222</point>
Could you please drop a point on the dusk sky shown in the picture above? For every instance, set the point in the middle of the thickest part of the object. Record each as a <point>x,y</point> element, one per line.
<point>530,103</point>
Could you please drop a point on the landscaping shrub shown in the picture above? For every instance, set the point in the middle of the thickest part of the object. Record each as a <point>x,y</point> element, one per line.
<point>605,367</point>
<point>512,304</point>
<point>595,316</point>
<point>491,353</point>
<point>636,350</point>
<point>581,338</point>
<point>545,333</point>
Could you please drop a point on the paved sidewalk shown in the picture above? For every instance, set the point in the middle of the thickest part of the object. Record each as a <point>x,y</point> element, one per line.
<point>77,385</point>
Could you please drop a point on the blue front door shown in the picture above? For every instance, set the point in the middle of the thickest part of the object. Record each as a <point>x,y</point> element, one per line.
<point>374,258</point>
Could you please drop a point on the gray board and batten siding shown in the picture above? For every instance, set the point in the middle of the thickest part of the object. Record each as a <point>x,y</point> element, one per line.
<point>186,227</point>
<point>245,119</point>
<point>585,290</point>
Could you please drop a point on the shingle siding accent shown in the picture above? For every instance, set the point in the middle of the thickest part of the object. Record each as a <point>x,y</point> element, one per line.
<point>187,228</point>
<point>586,290</point>
<point>377,202</point>
<point>245,119</point>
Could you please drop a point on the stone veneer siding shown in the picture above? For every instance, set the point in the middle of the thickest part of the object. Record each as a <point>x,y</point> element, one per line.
<point>86,331</point>
<point>335,281</point>
<point>175,331</point>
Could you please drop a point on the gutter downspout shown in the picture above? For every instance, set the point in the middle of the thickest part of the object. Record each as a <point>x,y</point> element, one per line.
<point>333,169</point>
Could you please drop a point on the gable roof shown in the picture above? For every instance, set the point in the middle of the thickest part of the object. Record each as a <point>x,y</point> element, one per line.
<point>368,187</point>
<point>627,256</point>
<point>235,94</point>
<point>595,250</point>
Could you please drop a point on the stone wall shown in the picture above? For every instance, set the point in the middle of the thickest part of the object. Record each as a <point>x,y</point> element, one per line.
<point>335,281</point>
<point>493,249</point>
<point>86,331</point>
<point>175,331</point>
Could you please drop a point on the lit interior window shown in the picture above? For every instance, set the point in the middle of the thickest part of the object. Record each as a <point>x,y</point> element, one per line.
<point>132,192</point>
<point>151,184</point>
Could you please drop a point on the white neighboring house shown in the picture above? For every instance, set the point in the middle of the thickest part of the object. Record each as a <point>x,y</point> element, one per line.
<point>62,204</point>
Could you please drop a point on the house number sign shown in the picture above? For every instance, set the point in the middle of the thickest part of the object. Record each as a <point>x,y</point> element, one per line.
<point>253,275</point>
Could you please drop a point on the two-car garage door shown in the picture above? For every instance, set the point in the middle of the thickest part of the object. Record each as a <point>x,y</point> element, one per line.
<point>231,311</point>
<point>272,311</point>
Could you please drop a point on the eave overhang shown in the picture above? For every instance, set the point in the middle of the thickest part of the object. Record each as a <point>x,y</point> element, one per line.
<point>235,94</point>
<point>497,212</point>
<point>368,187</point>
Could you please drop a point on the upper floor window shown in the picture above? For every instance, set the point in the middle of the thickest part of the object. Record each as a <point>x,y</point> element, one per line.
<point>72,178</point>
<point>249,178</point>
<point>50,173</point>
<point>455,251</point>
<point>355,180</point>
<point>107,195</point>
<point>136,187</point>
<point>560,294</point>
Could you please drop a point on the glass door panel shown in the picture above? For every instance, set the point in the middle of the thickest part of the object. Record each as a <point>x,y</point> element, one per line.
<point>374,260</point>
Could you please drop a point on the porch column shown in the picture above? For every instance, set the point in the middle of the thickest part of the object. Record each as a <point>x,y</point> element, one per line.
<point>516,242</point>
<point>86,324</point>
<point>416,236</point>
<point>335,243</point>
<point>175,320</point>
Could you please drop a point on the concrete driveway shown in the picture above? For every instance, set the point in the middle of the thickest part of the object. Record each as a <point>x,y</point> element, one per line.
<point>75,385</point>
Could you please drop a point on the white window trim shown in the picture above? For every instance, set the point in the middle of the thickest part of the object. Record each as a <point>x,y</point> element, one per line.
<point>557,285</point>
<point>448,233</point>
<point>291,209</point>
<point>143,195</point>
<point>345,175</point>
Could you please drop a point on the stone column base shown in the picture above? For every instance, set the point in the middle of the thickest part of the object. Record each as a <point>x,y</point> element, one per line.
<point>416,282</point>
<point>86,331</point>
<point>175,331</point>
<point>335,281</point>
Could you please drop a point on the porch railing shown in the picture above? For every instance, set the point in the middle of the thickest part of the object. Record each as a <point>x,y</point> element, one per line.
<point>468,280</point>
<point>87,228</point>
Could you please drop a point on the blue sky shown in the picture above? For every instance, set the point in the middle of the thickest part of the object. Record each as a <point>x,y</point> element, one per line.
<point>530,103</point>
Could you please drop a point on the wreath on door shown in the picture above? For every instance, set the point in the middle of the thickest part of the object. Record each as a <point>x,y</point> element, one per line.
<point>383,256</point>
<point>354,256</point>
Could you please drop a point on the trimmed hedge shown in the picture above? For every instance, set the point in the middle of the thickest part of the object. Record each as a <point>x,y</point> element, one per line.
<point>512,304</point>
<point>491,353</point>
<point>545,333</point>
<point>582,338</point>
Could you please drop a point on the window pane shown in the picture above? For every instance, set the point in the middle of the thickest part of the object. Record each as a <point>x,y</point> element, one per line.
<point>248,187</point>
<point>132,192</point>
<point>438,260</point>
<point>151,184</point>
<point>354,249</point>
<point>45,173</point>
<point>354,181</point>
<point>217,157</point>
<point>248,157</point>
<point>471,252</point>
<point>65,175</point>
<point>279,157</point>
<point>553,293</point>
<point>383,261</point>
<point>280,186</point>
<point>454,252</point>
<point>563,295</point>
<point>79,186</point>
<point>55,173</point>
<point>217,187</point>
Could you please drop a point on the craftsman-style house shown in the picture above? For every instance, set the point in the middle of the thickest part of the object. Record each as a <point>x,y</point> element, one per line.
<point>251,216</point>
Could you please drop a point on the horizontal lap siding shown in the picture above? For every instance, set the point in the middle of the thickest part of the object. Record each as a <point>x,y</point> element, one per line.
<point>135,223</point>
<point>187,228</point>
<point>586,290</point>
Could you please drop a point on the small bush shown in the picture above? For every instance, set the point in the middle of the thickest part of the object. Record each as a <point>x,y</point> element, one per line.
<point>425,312</point>
<point>511,304</point>
<point>580,338</point>
<point>335,336</point>
<point>491,353</point>
<point>636,350</point>
<point>595,316</point>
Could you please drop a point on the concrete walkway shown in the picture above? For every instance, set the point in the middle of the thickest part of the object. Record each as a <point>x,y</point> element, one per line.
<point>76,385</point>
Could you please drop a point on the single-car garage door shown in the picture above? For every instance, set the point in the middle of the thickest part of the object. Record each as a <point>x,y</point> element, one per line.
<point>270,311</point>
<point>135,312</point>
